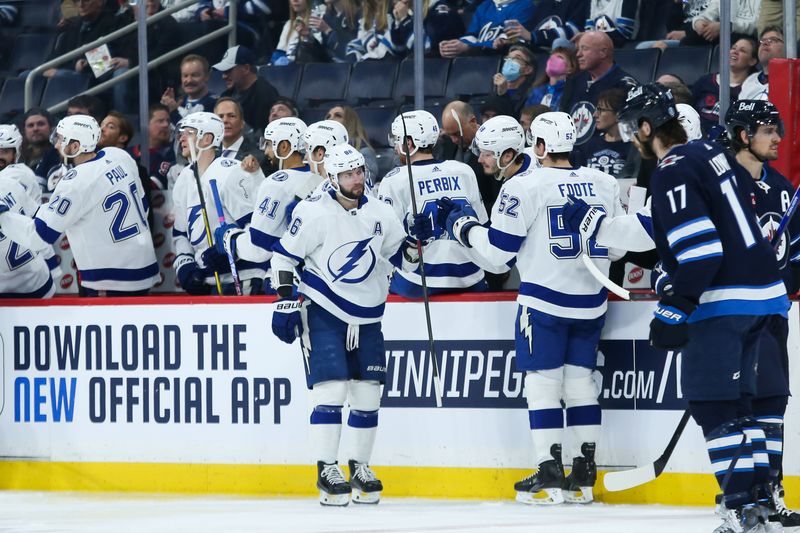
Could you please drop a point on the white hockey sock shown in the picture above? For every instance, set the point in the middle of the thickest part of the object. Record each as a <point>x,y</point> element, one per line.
<point>543,392</point>
<point>363,426</point>
<point>326,428</point>
<point>583,409</point>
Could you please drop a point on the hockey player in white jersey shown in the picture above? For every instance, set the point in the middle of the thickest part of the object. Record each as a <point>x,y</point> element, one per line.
<point>347,244</point>
<point>282,142</point>
<point>562,307</point>
<point>448,266</point>
<point>100,205</point>
<point>23,274</point>
<point>10,143</point>
<point>197,262</point>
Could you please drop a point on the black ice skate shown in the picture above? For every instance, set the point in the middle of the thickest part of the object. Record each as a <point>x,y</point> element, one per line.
<point>779,513</point>
<point>746,519</point>
<point>579,485</point>
<point>333,489</point>
<point>543,487</point>
<point>366,487</point>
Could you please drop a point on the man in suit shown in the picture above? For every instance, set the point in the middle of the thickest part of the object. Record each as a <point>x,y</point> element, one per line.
<point>235,144</point>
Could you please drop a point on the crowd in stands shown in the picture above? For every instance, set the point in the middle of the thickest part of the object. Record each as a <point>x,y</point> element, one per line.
<point>539,55</point>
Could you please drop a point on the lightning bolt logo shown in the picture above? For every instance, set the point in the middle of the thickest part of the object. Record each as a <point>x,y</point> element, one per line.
<point>194,217</point>
<point>358,252</point>
<point>526,328</point>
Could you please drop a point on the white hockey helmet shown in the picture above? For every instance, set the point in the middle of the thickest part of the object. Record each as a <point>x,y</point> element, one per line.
<point>81,128</point>
<point>289,129</point>
<point>342,158</point>
<point>10,138</point>
<point>497,135</point>
<point>325,133</point>
<point>690,120</point>
<point>420,125</point>
<point>204,122</point>
<point>557,131</point>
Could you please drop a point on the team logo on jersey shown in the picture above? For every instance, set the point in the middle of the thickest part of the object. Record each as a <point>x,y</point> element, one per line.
<point>669,161</point>
<point>352,262</point>
<point>769,223</point>
<point>583,117</point>
<point>194,216</point>
<point>314,198</point>
<point>280,176</point>
<point>392,172</point>
<point>227,163</point>
<point>69,175</point>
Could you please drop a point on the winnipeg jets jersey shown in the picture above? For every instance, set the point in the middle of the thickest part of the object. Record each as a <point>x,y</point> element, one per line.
<point>100,205</point>
<point>23,273</point>
<point>236,187</point>
<point>706,233</point>
<point>347,255</point>
<point>447,263</point>
<point>527,225</point>
<point>25,176</point>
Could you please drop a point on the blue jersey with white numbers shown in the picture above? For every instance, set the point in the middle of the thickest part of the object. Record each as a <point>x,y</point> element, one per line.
<point>707,235</point>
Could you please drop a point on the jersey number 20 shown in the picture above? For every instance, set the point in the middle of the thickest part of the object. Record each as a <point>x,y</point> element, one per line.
<point>120,201</point>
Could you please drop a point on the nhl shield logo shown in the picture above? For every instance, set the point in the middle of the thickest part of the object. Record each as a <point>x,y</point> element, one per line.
<point>583,117</point>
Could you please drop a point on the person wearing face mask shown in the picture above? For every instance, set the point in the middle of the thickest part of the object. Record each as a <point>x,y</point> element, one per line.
<point>561,64</point>
<point>515,77</point>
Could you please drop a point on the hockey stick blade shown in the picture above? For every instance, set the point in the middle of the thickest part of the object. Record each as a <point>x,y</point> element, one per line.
<point>628,479</point>
<point>607,283</point>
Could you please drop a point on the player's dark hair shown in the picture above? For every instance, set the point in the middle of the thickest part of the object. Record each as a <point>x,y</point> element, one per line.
<point>671,133</point>
<point>96,107</point>
<point>552,155</point>
<point>125,126</point>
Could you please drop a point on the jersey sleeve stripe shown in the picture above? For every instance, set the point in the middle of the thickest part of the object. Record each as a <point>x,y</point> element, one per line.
<point>647,223</point>
<point>52,262</point>
<point>588,301</point>
<point>505,241</point>
<point>245,220</point>
<point>763,292</point>
<point>41,292</point>
<point>318,285</point>
<point>177,233</point>
<point>120,274</point>
<point>689,229</point>
<point>450,269</point>
<point>262,239</point>
<point>700,251</point>
<point>278,248</point>
<point>44,231</point>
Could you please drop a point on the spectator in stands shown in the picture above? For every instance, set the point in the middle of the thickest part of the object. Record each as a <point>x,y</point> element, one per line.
<point>743,58</point>
<point>770,13</point>
<point>493,106</point>
<point>529,113</point>
<point>705,26</point>
<point>299,41</point>
<point>86,104</point>
<point>561,64</point>
<point>680,91</point>
<point>443,22</point>
<point>619,19</point>
<point>337,27</point>
<point>358,136</point>
<point>488,25</point>
<point>162,152</point>
<point>283,107</point>
<point>37,124</point>
<point>234,143</point>
<point>679,16</point>
<point>255,94</point>
<point>598,72</point>
<point>606,151</point>
<point>373,40</point>
<point>115,130</point>
<point>554,23</point>
<point>194,84</point>
<point>771,46</point>
<point>516,76</point>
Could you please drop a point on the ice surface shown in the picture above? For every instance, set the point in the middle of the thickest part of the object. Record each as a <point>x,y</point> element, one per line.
<point>24,512</point>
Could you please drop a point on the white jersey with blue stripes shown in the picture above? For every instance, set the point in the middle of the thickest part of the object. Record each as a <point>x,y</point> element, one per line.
<point>527,225</point>
<point>100,206</point>
<point>632,232</point>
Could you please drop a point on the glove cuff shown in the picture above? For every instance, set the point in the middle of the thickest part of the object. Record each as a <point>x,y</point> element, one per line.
<point>591,223</point>
<point>182,260</point>
<point>674,309</point>
<point>229,241</point>
<point>461,229</point>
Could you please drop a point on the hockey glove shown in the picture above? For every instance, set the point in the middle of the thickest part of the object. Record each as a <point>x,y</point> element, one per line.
<point>420,228</point>
<point>580,217</point>
<point>444,207</point>
<point>225,239</point>
<point>287,324</point>
<point>460,221</point>
<point>191,277</point>
<point>669,328</point>
<point>212,260</point>
<point>662,283</point>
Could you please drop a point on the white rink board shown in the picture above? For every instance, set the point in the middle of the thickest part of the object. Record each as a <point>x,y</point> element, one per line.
<point>483,424</point>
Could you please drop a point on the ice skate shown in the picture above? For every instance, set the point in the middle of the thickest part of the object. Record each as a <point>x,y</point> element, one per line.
<point>333,489</point>
<point>543,487</point>
<point>579,484</point>
<point>780,514</point>
<point>366,487</point>
<point>746,519</point>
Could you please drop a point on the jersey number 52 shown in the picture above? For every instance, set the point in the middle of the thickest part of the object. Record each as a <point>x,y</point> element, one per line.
<point>566,245</point>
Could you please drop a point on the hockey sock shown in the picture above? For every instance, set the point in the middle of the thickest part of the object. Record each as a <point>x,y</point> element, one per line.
<point>326,428</point>
<point>769,414</point>
<point>731,455</point>
<point>546,417</point>
<point>583,410</point>
<point>363,425</point>
<point>758,441</point>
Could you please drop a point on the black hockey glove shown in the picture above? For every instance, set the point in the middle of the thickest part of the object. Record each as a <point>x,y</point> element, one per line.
<point>669,329</point>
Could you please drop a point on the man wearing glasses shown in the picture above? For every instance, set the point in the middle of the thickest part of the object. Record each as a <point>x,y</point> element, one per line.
<point>771,46</point>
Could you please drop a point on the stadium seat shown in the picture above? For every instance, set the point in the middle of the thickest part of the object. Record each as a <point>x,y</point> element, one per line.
<point>12,96</point>
<point>310,115</point>
<point>641,64</point>
<point>31,50</point>
<point>323,82</point>
<point>60,88</point>
<point>470,76</point>
<point>686,62</point>
<point>377,121</point>
<point>284,79</point>
<point>372,81</point>
<point>436,70</point>
<point>40,14</point>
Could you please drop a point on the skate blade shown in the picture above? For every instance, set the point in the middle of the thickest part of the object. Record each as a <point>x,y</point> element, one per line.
<point>583,496</point>
<point>369,498</point>
<point>543,497</point>
<point>333,500</point>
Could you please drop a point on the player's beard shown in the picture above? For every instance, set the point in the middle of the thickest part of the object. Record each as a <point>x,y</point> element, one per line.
<point>3,163</point>
<point>353,194</point>
<point>645,147</point>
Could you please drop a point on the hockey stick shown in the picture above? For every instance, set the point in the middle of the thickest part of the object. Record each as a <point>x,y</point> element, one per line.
<point>437,386</point>
<point>627,479</point>
<point>221,217</point>
<point>787,216</point>
<point>195,169</point>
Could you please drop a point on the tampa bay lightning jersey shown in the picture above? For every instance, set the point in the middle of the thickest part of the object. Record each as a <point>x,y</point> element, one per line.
<point>707,235</point>
<point>347,255</point>
<point>100,206</point>
<point>25,177</point>
<point>773,193</point>
<point>487,22</point>
<point>447,263</point>
<point>23,272</point>
<point>236,187</point>
<point>527,225</point>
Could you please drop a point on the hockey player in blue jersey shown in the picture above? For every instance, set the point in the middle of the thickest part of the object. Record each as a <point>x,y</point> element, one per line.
<point>345,245</point>
<point>725,286</point>
<point>561,305</point>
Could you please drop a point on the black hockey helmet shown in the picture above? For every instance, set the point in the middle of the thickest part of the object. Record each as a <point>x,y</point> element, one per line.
<point>749,115</point>
<point>652,102</point>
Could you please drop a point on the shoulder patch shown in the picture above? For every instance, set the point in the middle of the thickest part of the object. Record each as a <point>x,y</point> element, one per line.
<point>228,163</point>
<point>392,172</point>
<point>280,176</point>
<point>669,161</point>
<point>69,175</point>
<point>314,198</point>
